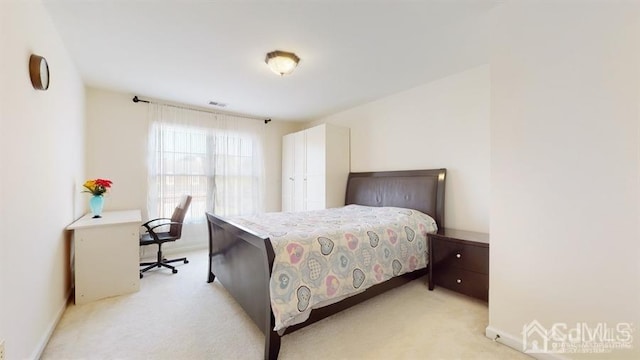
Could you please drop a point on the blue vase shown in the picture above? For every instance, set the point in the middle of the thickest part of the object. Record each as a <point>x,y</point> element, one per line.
<point>96,203</point>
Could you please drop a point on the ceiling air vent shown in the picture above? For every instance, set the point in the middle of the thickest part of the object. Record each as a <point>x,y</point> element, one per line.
<point>215,103</point>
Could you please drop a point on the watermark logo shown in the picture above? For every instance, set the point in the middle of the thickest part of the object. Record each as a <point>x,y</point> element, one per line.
<point>580,337</point>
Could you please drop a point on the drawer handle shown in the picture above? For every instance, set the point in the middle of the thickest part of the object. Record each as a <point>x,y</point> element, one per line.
<point>459,281</point>
<point>458,255</point>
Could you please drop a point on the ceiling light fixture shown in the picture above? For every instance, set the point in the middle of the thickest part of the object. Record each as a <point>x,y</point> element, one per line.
<point>282,62</point>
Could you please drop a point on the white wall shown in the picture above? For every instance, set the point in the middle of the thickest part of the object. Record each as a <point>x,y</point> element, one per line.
<point>41,169</point>
<point>565,167</point>
<point>445,124</point>
<point>113,115</point>
<point>273,162</point>
<point>117,146</point>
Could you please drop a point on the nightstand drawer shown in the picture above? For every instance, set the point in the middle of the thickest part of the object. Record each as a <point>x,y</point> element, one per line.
<point>463,281</point>
<point>461,256</point>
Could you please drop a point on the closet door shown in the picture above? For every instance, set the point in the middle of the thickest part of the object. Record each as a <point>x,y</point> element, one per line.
<point>288,172</point>
<point>299,173</point>
<point>315,167</point>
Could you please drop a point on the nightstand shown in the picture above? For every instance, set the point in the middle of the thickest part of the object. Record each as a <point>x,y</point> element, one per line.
<point>459,261</point>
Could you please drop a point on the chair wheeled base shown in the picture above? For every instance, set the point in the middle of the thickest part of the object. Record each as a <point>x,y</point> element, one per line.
<point>161,262</point>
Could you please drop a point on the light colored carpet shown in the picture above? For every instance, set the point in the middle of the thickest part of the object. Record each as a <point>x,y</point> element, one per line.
<point>181,316</point>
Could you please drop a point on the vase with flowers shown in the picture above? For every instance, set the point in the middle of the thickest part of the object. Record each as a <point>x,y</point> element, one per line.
<point>97,187</point>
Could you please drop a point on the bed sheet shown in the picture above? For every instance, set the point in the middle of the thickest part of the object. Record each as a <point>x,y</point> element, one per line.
<point>323,256</point>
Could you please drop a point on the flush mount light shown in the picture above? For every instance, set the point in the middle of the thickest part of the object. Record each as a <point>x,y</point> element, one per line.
<point>282,62</point>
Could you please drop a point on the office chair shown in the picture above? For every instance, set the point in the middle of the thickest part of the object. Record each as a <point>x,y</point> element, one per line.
<point>151,236</point>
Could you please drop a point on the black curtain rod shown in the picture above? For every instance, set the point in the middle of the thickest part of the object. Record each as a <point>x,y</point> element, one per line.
<point>137,100</point>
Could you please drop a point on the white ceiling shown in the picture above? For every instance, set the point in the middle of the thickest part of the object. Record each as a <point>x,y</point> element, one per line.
<point>193,52</point>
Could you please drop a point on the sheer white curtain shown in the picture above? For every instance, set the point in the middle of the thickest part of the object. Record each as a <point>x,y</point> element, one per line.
<point>215,158</point>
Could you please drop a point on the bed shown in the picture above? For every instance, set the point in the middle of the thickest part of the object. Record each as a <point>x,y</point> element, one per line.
<point>242,259</point>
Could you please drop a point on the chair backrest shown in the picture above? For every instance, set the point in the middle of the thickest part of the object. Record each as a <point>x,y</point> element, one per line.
<point>178,216</point>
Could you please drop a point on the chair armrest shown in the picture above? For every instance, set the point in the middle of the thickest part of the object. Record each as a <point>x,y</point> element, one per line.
<point>153,233</point>
<point>164,224</point>
<point>154,220</point>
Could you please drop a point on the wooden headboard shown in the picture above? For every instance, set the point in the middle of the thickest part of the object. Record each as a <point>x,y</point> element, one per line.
<point>422,190</point>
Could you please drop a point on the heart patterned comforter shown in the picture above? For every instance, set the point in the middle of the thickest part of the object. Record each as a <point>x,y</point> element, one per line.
<point>323,256</point>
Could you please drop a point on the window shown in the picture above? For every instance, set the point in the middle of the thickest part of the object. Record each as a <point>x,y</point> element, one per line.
<point>220,169</point>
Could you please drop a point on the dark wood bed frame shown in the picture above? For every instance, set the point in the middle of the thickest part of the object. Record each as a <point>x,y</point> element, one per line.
<point>242,260</point>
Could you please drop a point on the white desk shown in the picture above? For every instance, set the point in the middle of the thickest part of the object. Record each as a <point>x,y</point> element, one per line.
<point>106,260</point>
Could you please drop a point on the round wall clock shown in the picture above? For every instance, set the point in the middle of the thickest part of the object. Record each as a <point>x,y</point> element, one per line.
<point>39,72</point>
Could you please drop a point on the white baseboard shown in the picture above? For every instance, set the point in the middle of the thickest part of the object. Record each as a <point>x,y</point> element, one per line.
<point>37,353</point>
<point>515,342</point>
